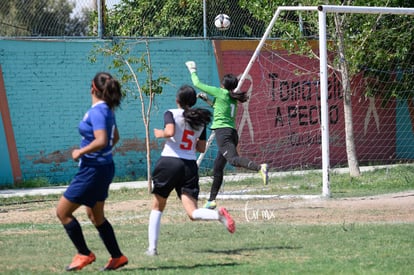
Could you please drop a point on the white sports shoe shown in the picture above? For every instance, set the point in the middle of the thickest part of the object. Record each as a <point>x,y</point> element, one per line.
<point>151,252</point>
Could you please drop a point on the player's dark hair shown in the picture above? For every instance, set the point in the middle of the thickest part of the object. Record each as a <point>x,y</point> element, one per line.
<point>108,89</point>
<point>230,83</point>
<point>195,117</point>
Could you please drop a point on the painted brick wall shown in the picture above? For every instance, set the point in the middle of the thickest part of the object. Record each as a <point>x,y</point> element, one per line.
<point>47,85</point>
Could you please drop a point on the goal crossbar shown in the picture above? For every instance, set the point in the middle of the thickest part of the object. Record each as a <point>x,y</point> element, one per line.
<point>362,9</point>
<point>322,11</point>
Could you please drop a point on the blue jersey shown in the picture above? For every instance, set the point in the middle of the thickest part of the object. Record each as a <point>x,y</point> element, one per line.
<point>98,117</point>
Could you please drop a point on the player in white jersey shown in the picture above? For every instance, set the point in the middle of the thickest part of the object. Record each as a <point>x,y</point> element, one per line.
<point>185,134</point>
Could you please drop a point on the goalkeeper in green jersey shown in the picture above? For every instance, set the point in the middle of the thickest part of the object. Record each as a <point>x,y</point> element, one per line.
<point>224,125</point>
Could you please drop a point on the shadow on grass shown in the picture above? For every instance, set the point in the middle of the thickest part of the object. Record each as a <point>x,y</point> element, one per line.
<point>240,250</point>
<point>175,267</point>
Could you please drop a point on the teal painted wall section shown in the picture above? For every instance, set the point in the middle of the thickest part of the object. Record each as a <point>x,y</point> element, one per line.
<point>48,84</point>
<point>405,135</point>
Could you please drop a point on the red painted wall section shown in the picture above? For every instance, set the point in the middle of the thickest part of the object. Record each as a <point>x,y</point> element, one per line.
<point>280,122</point>
<point>9,133</point>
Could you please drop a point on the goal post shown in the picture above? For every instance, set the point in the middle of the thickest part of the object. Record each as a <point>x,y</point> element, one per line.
<point>321,107</point>
<point>322,11</point>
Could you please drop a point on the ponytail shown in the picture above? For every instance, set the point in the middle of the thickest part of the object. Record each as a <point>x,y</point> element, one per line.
<point>239,96</point>
<point>112,93</point>
<point>108,89</point>
<point>230,83</point>
<point>197,117</point>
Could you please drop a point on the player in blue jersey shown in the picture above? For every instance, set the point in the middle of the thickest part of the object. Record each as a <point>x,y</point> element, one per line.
<point>185,134</point>
<point>96,170</point>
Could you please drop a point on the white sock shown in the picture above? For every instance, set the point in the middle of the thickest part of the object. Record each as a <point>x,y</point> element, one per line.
<point>205,214</point>
<point>154,229</point>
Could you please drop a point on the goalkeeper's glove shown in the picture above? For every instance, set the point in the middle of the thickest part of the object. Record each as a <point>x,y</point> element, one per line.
<point>191,65</point>
<point>203,96</point>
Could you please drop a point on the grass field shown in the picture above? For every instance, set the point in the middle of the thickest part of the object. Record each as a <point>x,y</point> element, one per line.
<point>367,227</point>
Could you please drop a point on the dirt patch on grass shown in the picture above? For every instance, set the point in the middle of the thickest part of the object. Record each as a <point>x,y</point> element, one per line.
<point>389,208</point>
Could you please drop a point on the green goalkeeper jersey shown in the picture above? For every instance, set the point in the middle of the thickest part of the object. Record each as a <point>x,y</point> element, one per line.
<point>225,107</point>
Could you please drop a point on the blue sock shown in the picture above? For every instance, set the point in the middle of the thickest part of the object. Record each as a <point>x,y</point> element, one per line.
<point>74,231</point>
<point>107,234</point>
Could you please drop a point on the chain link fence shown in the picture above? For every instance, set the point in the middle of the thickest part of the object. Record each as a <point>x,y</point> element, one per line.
<point>126,18</point>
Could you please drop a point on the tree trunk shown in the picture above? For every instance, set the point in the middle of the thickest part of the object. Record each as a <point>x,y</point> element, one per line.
<point>349,129</point>
<point>148,145</point>
<point>349,125</point>
<point>148,118</point>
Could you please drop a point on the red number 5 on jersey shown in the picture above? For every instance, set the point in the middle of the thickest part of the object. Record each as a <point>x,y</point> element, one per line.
<point>187,141</point>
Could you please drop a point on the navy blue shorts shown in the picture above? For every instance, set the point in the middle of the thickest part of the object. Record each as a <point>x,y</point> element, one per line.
<point>90,184</point>
<point>174,173</point>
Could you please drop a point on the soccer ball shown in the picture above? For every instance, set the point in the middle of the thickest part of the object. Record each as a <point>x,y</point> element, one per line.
<point>222,22</point>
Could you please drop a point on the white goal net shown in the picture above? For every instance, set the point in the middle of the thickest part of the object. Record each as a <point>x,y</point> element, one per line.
<point>343,81</point>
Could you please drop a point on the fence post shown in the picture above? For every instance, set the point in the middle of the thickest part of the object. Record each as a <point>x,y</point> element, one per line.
<point>101,16</point>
